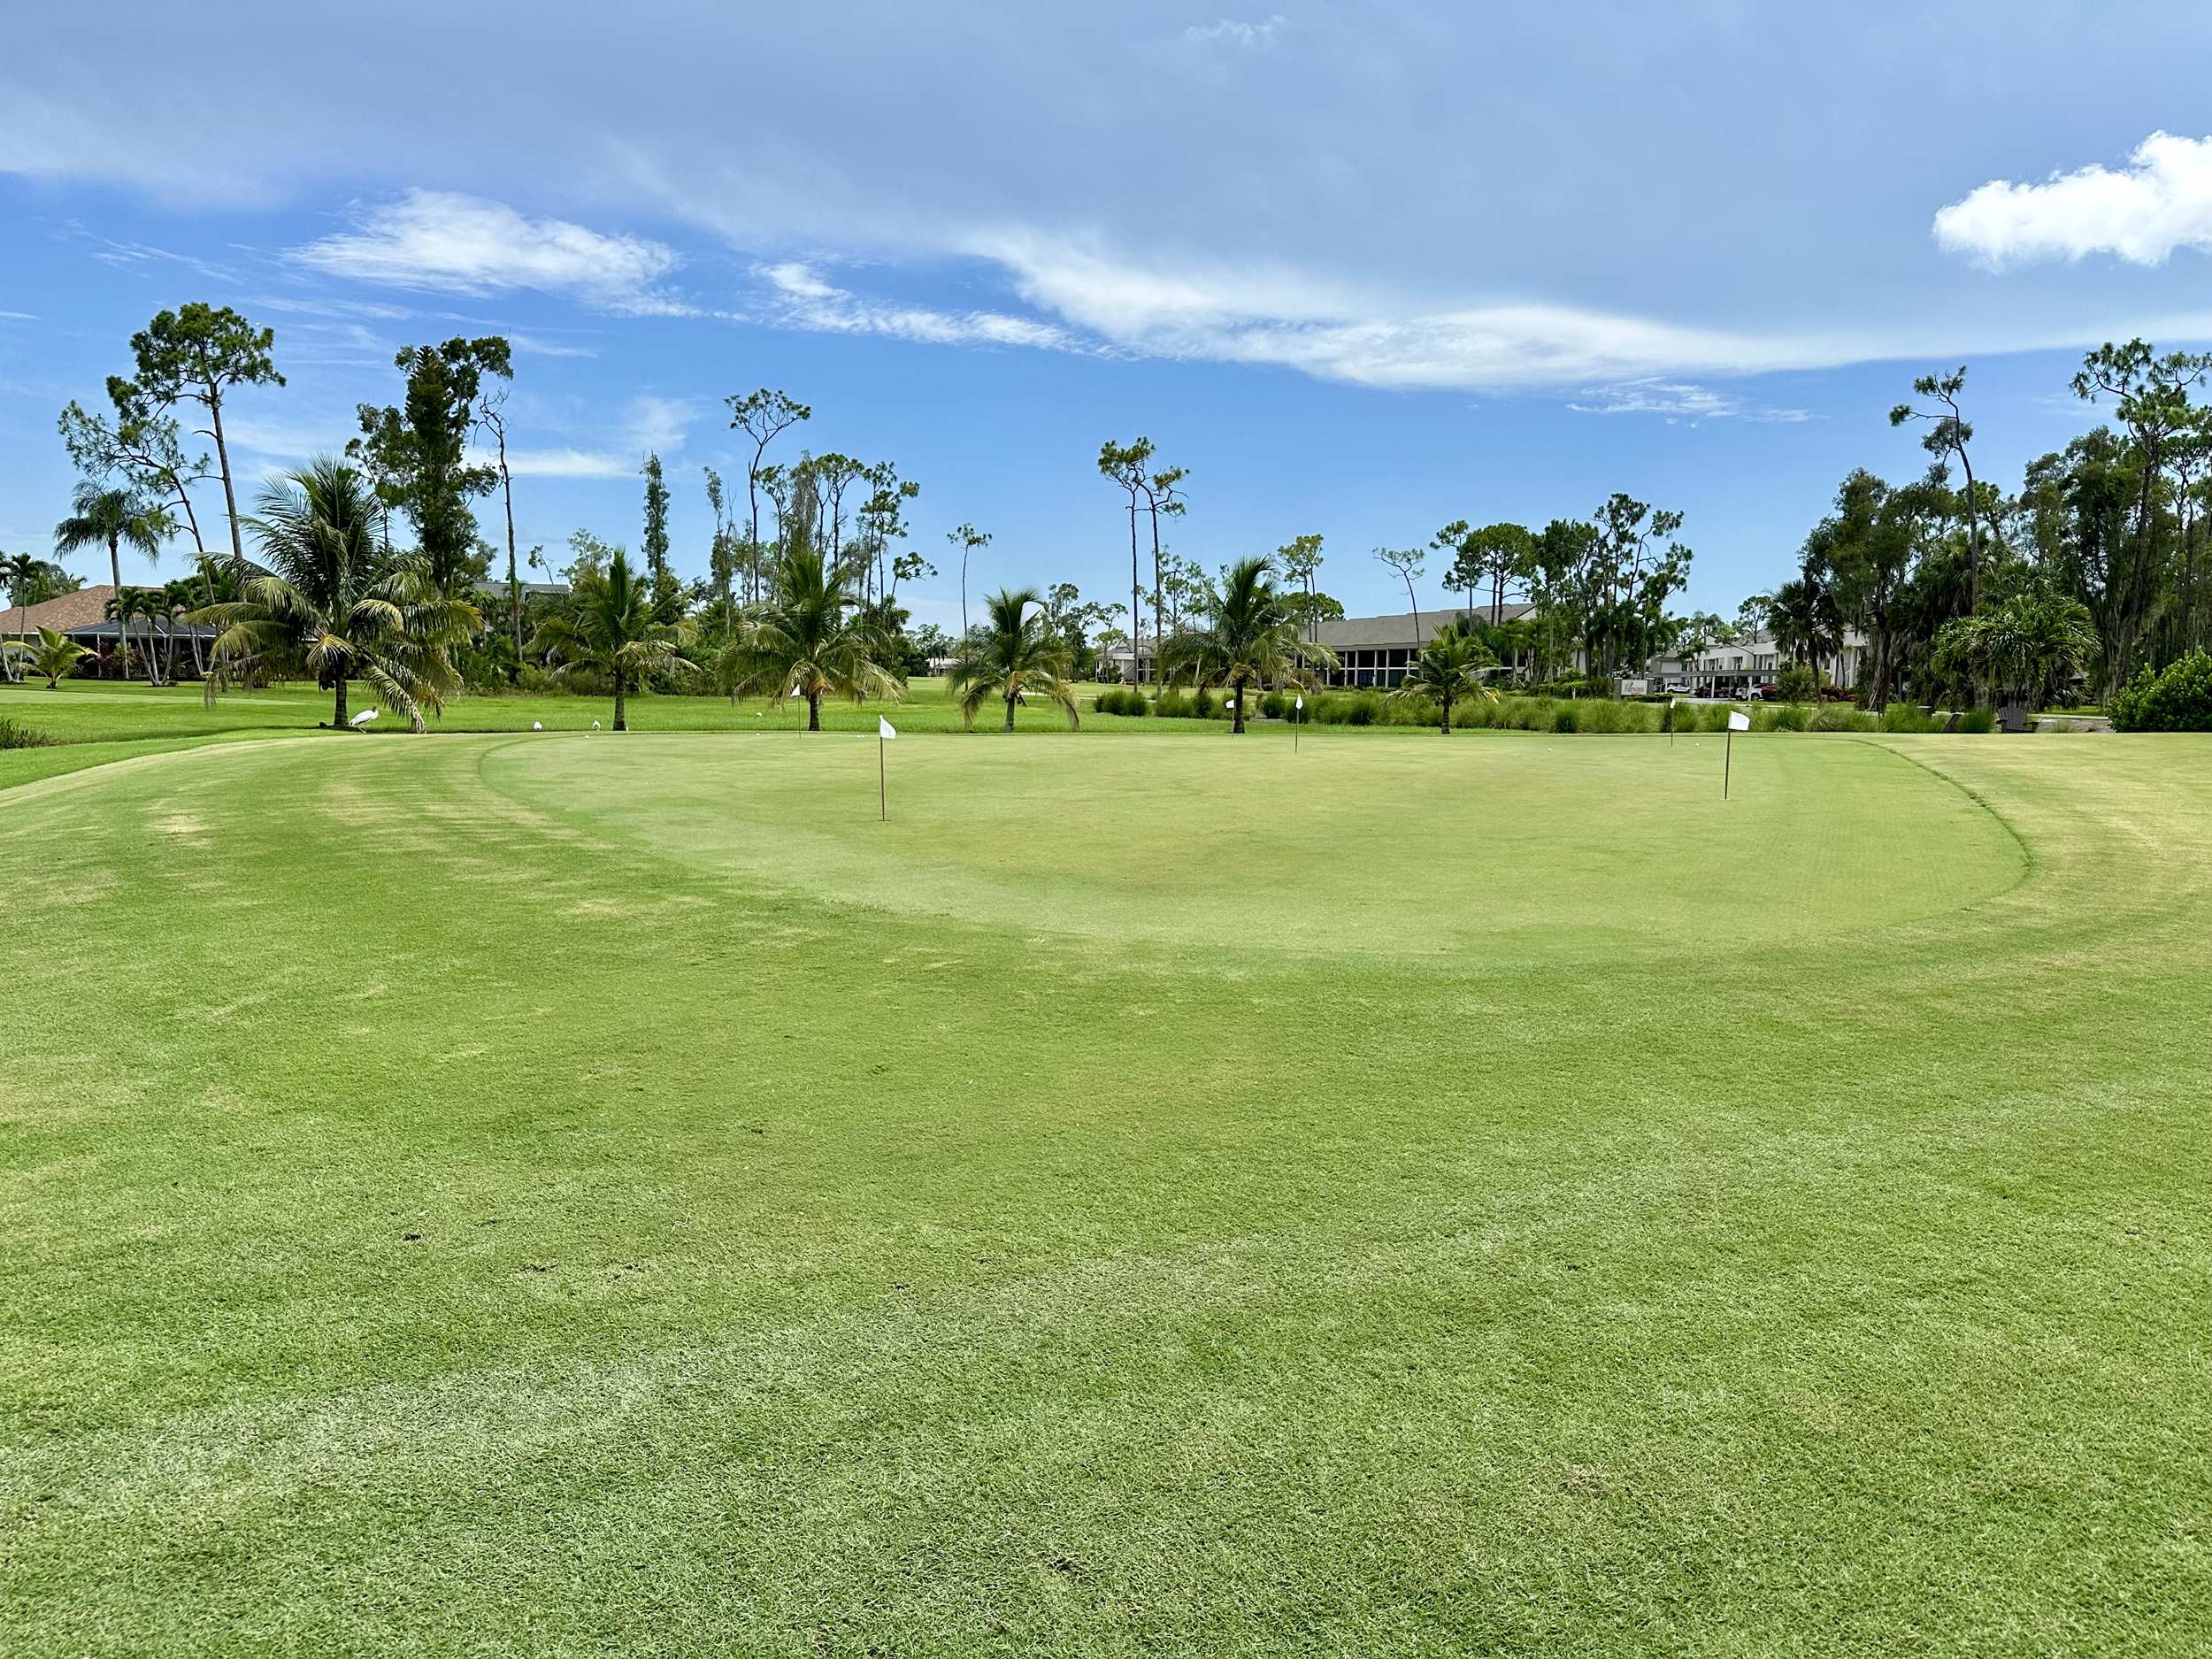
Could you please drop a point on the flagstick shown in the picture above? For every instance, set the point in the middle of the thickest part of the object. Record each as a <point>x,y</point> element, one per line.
<point>1727,762</point>
<point>883,784</point>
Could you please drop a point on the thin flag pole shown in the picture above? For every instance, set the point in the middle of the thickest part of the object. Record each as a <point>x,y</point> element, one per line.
<point>883,783</point>
<point>1727,762</point>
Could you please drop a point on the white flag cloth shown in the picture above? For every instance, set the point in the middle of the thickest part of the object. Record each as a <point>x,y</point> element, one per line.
<point>1738,721</point>
<point>1300,700</point>
<point>885,729</point>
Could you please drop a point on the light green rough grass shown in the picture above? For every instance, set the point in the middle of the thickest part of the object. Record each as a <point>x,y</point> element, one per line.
<point>805,1260</point>
<point>84,710</point>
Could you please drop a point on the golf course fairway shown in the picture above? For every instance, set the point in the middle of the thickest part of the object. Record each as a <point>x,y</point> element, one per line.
<point>582,1193</point>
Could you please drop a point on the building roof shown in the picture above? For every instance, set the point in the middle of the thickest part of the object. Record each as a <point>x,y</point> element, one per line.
<point>1365,633</point>
<point>70,613</point>
<point>497,589</point>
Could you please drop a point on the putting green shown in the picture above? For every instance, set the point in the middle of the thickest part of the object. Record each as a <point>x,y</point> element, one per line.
<point>1503,844</point>
<point>535,1195</point>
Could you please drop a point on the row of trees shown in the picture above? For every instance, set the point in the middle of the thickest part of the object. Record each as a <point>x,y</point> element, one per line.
<point>2096,567</point>
<point>372,567</point>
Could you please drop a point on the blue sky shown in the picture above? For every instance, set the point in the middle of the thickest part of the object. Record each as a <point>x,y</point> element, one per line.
<point>1362,268</point>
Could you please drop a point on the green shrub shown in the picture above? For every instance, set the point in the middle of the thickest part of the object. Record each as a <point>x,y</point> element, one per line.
<point>1978,720</point>
<point>1905,717</point>
<point>1122,700</point>
<point>1565,716</point>
<point>1840,717</point>
<point>1276,705</point>
<point>1346,708</point>
<point>1780,717</point>
<point>1797,684</point>
<point>2177,699</point>
<point>15,734</point>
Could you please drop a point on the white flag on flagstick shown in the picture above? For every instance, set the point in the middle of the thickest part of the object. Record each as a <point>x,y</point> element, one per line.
<point>885,729</point>
<point>1300,700</point>
<point>1738,721</point>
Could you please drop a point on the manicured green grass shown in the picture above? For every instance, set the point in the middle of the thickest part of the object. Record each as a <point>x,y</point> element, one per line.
<point>567,1193</point>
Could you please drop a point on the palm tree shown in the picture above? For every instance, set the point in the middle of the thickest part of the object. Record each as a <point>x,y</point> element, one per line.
<point>19,572</point>
<point>145,604</point>
<point>53,656</point>
<point>2026,647</point>
<point>331,604</point>
<point>1450,668</point>
<point>609,629</point>
<point>806,639</point>
<point>100,516</point>
<point>1250,639</point>
<point>1015,652</point>
<point>1803,616</point>
<point>177,599</point>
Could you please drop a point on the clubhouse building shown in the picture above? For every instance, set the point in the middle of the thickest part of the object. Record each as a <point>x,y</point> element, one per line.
<point>1371,651</point>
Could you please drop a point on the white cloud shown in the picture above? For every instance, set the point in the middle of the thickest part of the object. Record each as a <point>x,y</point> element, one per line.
<point>1336,331</point>
<point>532,345</point>
<point>653,422</point>
<point>2162,200</point>
<point>571,463</point>
<point>1678,401</point>
<point>1250,37</point>
<point>286,441</point>
<point>138,256</point>
<point>451,243</point>
<point>319,307</point>
<point>800,298</point>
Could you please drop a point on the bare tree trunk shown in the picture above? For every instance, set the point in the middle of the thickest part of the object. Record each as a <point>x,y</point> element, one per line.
<point>514,582</point>
<point>338,709</point>
<point>813,711</point>
<point>621,723</point>
<point>1157,633</point>
<point>1136,614</point>
<point>230,493</point>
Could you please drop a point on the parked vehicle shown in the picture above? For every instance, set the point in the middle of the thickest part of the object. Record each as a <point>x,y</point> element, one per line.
<point>1755,694</point>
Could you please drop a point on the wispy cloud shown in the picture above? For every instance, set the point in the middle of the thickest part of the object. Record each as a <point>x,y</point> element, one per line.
<point>19,317</point>
<point>1678,401</point>
<point>287,440</point>
<point>534,346</point>
<point>440,241</point>
<point>138,256</point>
<point>376,311</point>
<point>2160,201</point>
<point>799,297</point>
<point>650,423</point>
<point>1242,36</point>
